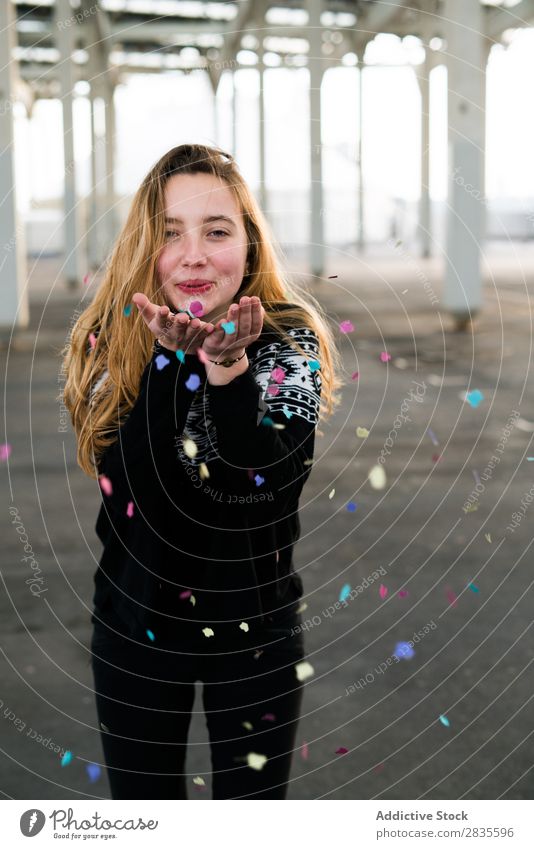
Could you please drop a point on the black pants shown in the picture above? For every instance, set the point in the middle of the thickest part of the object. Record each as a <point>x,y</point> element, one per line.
<point>251,697</point>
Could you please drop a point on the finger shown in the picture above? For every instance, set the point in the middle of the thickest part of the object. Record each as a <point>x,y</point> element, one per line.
<point>145,307</point>
<point>257,312</point>
<point>245,320</point>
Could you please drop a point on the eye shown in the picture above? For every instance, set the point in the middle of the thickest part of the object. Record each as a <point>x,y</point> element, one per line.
<point>169,234</point>
<point>223,232</point>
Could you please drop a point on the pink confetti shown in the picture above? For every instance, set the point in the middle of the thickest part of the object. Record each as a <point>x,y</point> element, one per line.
<point>278,374</point>
<point>5,450</point>
<point>105,485</point>
<point>383,591</point>
<point>269,717</point>
<point>86,278</point>
<point>197,308</point>
<point>304,751</point>
<point>452,597</point>
<point>379,767</point>
<point>341,751</point>
<point>130,509</point>
<point>273,390</point>
<point>346,326</point>
<point>403,593</point>
<point>355,375</point>
<point>92,340</point>
<point>185,594</point>
<point>384,356</point>
<point>436,458</point>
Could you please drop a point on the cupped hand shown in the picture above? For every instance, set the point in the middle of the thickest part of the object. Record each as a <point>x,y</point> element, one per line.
<point>247,317</point>
<point>175,331</point>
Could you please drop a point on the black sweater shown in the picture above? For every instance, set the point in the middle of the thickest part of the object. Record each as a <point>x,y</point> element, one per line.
<point>227,538</point>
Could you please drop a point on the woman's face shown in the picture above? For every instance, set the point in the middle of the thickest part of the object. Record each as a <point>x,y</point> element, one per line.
<point>205,251</point>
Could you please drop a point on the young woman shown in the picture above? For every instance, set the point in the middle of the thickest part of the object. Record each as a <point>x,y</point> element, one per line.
<point>195,382</point>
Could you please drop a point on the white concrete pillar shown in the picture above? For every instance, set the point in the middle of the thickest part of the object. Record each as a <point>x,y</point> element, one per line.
<point>110,214</point>
<point>361,187</point>
<point>64,35</point>
<point>262,127</point>
<point>465,84</point>
<point>14,312</point>
<point>234,115</point>
<point>425,224</point>
<point>93,247</point>
<point>316,68</point>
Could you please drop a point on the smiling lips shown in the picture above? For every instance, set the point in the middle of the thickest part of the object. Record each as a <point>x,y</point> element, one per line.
<point>196,285</point>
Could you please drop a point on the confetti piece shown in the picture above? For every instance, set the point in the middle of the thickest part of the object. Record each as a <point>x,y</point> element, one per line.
<point>522,424</point>
<point>314,365</point>
<point>341,751</point>
<point>266,420</point>
<point>530,459</point>
<point>248,725</point>
<point>355,375</point>
<point>402,593</point>
<point>203,471</point>
<point>185,594</point>
<point>400,362</point>
<point>256,761</point>
<point>286,412</point>
<point>473,587</point>
<point>199,781</point>
<point>488,537</point>
<point>130,509</point>
<point>193,382</point>
<point>150,634</point>
<point>452,597</point>
<point>444,721</point>
<point>127,310</point>
<point>244,626</point>
<point>346,327</point>
<point>273,390</point>
<point>332,493</point>
<point>352,506</point>
<point>92,341</point>
<point>383,591</point>
<point>345,592</point>
<point>105,485</point>
<point>436,458</point>
<point>362,432</point>
<point>304,751</point>
<point>196,308</point>
<point>193,600</point>
<point>259,480</point>
<point>190,447</point>
<point>86,278</point>
<point>304,670</point>
<point>66,759</point>
<point>269,717</point>
<point>161,361</point>
<point>403,651</point>
<point>278,426</point>
<point>384,356</point>
<point>474,398</point>
<point>377,477</point>
<point>258,653</point>
<point>93,771</point>
<point>208,632</point>
<point>379,767</point>
<point>302,607</point>
<point>433,437</point>
<point>180,355</point>
<point>5,450</point>
<point>228,326</point>
<point>278,374</point>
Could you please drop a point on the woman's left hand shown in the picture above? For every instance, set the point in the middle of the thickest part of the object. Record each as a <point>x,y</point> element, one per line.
<point>247,317</point>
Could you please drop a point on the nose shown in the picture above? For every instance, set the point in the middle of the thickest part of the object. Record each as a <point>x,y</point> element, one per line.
<point>193,252</point>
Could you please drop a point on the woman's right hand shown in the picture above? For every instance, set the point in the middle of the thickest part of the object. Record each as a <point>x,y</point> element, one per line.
<point>175,331</point>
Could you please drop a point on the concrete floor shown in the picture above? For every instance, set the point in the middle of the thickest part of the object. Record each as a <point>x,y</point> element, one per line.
<point>475,663</point>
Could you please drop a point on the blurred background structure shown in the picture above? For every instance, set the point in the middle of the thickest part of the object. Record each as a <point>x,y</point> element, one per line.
<point>390,147</point>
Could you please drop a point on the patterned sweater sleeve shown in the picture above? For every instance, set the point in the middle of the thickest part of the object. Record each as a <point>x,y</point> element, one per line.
<point>265,421</point>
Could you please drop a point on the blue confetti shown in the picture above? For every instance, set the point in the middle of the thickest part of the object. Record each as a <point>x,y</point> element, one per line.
<point>266,420</point>
<point>228,326</point>
<point>127,310</point>
<point>193,382</point>
<point>474,588</point>
<point>93,771</point>
<point>403,651</point>
<point>66,759</point>
<point>259,480</point>
<point>474,397</point>
<point>150,635</point>
<point>161,361</point>
<point>352,506</point>
<point>345,592</point>
<point>314,365</point>
<point>180,354</point>
<point>444,721</point>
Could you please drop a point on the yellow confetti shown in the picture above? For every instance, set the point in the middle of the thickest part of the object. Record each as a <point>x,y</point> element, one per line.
<point>248,725</point>
<point>203,471</point>
<point>244,626</point>
<point>304,670</point>
<point>256,761</point>
<point>208,632</point>
<point>362,432</point>
<point>488,537</point>
<point>377,477</point>
<point>192,599</point>
<point>331,494</point>
<point>279,426</point>
<point>190,447</point>
<point>199,780</point>
<point>302,607</point>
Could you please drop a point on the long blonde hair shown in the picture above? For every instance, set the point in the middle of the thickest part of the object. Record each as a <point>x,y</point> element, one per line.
<point>132,268</point>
